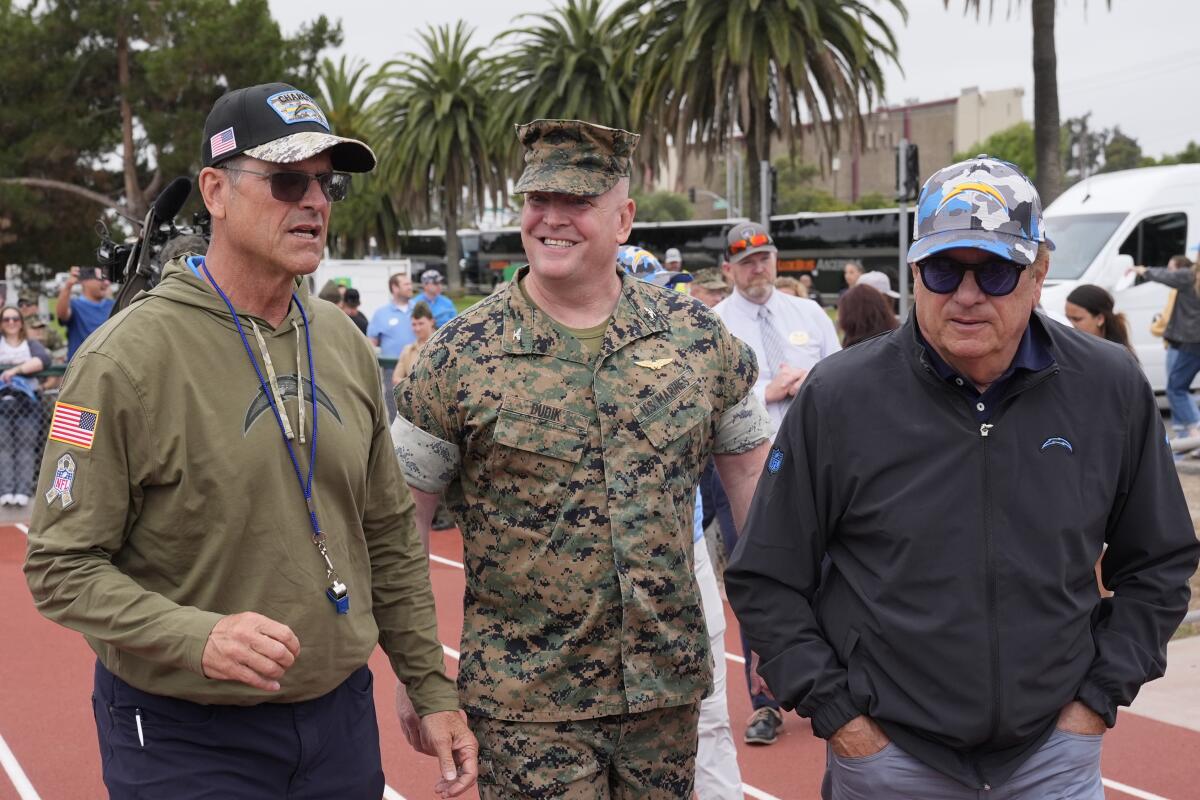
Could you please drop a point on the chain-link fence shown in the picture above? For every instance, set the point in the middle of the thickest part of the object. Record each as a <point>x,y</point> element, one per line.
<point>24,420</point>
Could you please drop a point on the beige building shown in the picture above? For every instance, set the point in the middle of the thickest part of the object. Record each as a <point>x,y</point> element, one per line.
<point>939,128</point>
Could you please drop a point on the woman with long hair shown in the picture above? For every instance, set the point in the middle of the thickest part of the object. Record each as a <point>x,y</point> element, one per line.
<point>1183,337</point>
<point>863,312</point>
<point>1090,309</point>
<point>20,407</point>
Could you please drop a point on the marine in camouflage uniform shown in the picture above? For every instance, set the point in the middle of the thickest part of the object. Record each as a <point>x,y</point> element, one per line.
<point>571,470</point>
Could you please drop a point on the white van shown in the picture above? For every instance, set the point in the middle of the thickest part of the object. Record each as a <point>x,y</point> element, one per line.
<point>1106,224</point>
<point>369,276</point>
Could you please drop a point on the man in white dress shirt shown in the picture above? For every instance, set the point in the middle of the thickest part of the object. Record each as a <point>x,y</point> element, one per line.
<point>787,334</point>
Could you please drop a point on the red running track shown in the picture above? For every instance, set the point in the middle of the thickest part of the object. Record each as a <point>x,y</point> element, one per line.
<point>46,720</point>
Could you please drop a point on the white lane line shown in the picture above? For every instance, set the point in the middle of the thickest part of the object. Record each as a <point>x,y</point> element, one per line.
<point>450,651</point>
<point>22,528</point>
<point>449,563</point>
<point>15,774</point>
<point>1140,793</point>
<point>391,794</point>
<point>759,794</point>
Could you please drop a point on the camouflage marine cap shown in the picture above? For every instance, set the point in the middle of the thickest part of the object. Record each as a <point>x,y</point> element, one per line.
<point>984,203</point>
<point>710,278</point>
<point>278,123</point>
<point>573,157</point>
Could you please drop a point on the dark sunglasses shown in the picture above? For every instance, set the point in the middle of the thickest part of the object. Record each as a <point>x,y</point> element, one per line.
<point>10,319</point>
<point>290,187</point>
<point>757,240</point>
<point>995,277</point>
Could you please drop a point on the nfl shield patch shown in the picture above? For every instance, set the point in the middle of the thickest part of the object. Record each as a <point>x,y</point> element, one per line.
<point>775,460</point>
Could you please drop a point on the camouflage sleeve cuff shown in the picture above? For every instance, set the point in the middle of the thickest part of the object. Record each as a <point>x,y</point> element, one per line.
<point>743,427</point>
<point>428,463</point>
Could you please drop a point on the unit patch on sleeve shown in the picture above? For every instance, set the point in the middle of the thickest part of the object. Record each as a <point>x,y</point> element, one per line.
<point>775,460</point>
<point>74,425</point>
<point>64,479</point>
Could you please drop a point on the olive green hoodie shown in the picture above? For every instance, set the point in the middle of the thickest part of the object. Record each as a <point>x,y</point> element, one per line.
<point>186,506</point>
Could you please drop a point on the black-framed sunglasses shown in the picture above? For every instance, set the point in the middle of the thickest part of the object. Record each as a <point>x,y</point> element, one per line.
<point>11,319</point>
<point>995,277</point>
<point>290,187</point>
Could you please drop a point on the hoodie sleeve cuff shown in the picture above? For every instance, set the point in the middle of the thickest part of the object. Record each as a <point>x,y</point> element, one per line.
<point>831,716</point>
<point>1095,698</point>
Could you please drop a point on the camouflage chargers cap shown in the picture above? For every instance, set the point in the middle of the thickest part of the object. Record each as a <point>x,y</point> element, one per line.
<point>984,203</point>
<point>573,157</point>
<point>278,123</point>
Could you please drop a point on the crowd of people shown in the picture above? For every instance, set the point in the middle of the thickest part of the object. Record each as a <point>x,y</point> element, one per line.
<point>910,511</point>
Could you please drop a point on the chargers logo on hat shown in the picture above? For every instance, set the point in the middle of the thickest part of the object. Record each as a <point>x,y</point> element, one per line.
<point>295,106</point>
<point>1058,441</point>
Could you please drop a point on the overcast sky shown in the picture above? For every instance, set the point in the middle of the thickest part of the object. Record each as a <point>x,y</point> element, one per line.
<point>1137,66</point>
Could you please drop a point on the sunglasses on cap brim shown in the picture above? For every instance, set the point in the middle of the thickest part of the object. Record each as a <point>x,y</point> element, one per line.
<point>746,242</point>
<point>290,187</point>
<point>995,277</point>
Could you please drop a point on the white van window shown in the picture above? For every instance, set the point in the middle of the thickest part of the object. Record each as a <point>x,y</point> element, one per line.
<point>1156,239</point>
<point>1077,239</point>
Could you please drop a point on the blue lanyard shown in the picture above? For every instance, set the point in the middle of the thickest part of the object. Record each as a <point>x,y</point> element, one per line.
<point>337,590</point>
<point>305,486</point>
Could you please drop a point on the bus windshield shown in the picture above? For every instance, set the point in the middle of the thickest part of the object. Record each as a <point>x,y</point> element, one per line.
<point>1077,239</point>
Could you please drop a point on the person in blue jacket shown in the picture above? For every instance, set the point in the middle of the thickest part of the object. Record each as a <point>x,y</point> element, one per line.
<point>432,288</point>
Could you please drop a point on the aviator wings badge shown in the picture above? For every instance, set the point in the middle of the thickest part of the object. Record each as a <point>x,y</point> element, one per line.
<point>656,364</point>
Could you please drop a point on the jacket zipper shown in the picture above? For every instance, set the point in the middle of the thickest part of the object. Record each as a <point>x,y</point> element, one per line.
<point>990,568</point>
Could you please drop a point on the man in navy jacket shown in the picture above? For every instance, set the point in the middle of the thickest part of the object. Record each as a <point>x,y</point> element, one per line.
<point>917,567</point>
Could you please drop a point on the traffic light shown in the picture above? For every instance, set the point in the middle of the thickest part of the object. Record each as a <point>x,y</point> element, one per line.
<point>908,171</point>
<point>774,191</point>
<point>692,195</point>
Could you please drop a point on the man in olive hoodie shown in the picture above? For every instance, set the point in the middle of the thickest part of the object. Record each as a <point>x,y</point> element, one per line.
<point>232,569</point>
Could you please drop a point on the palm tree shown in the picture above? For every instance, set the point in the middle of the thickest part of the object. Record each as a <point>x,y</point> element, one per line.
<point>757,66</point>
<point>437,147</point>
<point>567,66</point>
<point>345,91</point>
<point>1046,141</point>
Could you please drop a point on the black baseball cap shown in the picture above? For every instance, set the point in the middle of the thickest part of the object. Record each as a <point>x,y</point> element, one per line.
<point>278,123</point>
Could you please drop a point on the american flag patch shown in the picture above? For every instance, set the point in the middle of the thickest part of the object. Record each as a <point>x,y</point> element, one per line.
<point>222,142</point>
<point>74,425</point>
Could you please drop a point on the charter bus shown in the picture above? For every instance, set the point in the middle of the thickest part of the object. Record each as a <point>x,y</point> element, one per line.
<point>817,243</point>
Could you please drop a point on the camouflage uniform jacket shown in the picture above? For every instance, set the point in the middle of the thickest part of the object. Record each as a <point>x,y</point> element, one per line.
<point>571,480</point>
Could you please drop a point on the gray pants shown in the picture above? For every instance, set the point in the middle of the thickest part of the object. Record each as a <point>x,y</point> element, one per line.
<point>1066,767</point>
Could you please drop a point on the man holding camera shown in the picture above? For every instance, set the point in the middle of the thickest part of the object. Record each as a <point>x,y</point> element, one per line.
<point>232,569</point>
<point>84,314</point>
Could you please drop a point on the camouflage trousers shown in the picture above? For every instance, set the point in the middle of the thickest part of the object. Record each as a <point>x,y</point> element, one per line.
<point>648,756</point>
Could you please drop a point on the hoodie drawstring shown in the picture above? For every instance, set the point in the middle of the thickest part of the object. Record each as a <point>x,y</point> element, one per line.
<point>266,357</point>
<point>299,382</point>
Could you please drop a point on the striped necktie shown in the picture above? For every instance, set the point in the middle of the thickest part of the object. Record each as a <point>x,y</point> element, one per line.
<point>774,348</point>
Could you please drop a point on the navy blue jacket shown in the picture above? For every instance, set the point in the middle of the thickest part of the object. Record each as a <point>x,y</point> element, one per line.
<point>905,561</point>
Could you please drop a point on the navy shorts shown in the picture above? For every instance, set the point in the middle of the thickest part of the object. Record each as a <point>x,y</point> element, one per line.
<point>320,748</point>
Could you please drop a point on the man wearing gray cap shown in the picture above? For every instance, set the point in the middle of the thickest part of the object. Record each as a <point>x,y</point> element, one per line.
<point>917,569</point>
<point>232,569</point>
<point>788,335</point>
<point>567,417</point>
<point>433,286</point>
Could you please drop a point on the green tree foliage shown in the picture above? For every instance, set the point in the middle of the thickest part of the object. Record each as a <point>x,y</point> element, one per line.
<point>1188,155</point>
<point>565,65</point>
<point>662,206</point>
<point>1122,151</point>
<point>710,69</point>
<point>345,91</point>
<point>436,149</point>
<point>1013,144</point>
<point>112,99</point>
